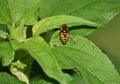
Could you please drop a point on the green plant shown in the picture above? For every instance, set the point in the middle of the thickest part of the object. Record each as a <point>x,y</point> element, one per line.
<point>77,62</point>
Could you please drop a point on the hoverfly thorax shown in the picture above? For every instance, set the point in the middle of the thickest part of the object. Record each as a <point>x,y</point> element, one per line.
<point>64,34</point>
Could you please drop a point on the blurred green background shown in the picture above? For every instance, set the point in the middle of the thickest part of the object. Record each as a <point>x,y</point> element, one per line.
<point>108,39</point>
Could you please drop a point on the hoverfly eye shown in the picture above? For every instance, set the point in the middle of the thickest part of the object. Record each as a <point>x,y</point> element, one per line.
<point>64,26</point>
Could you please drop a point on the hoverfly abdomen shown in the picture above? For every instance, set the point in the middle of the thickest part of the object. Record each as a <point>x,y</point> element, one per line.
<point>64,34</point>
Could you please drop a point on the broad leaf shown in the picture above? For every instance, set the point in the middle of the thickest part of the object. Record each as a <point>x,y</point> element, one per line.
<point>101,11</point>
<point>81,30</point>
<point>6,78</point>
<point>56,22</point>
<point>14,11</point>
<point>3,34</point>
<point>31,11</point>
<point>114,57</point>
<point>41,52</point>
<point>84,56</point>
<point>6,53</point>
<point>4,12</point>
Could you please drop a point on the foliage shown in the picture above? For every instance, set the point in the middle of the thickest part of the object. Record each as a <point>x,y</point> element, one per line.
<point>29,36</point>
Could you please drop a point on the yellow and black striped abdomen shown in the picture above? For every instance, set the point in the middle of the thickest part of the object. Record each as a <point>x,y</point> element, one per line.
<point>64,34</point>
<point>64,37</point>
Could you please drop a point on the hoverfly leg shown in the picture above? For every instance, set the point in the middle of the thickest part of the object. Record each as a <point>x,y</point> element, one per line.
<point>73,38</point>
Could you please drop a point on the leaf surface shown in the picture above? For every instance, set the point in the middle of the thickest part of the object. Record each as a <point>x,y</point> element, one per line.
<point>5,78</point>
<point>100,11</point>
<point>56,22</point>
<point>14,11</point>
<point>41,52</point>
<point>84,56</point>
<point>6,53</point>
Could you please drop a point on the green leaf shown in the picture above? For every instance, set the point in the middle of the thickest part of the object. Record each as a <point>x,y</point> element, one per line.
<point>81,30</point>
<point>115,57</point>
<point>4,12</point>
<point>3,34</point>
<point>31,11</point>
<point>78,79</point>
<point>83,55</point>
<point>100,11</point>
<point>6,53</point>
<point>41,82</point>
<point>56,22</point>
<point>14,11</point>
<point>41,52</point>
<point>18,33</point>
<point>2,19</point>
<point>5,78</point>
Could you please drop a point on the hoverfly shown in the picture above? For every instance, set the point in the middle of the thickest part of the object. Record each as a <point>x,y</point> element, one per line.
<point>64,34</point>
